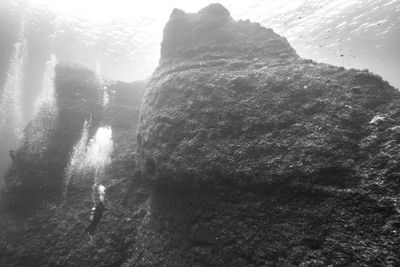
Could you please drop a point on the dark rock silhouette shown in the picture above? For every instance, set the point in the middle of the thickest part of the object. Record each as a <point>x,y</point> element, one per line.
<point>38,175</point>
<point>40,227</point>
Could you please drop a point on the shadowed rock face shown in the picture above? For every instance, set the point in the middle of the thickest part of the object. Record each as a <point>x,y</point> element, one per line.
<point>52,233</point>
<point>38,175</point>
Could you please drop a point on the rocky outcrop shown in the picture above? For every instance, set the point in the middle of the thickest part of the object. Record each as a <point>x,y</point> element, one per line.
<point>49,229</point>
<point>254,118</point>
<point>247,155</point>
<point>260,157</point>
<point>211,34</point>
<point>38,173</point>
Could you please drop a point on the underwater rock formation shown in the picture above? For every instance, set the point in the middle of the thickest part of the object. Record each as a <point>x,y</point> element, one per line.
<point>247,155</point>
<point>260,157</point>
<point>51,221</point>
<point>39,175</point>
<point>236,104</point>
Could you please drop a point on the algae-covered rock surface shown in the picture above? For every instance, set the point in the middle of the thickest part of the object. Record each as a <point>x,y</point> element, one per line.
<point>260,157</point>
<point>245,154</point>
<point>259,118</point>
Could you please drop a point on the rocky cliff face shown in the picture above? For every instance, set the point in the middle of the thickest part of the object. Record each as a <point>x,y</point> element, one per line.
<point>37,173</point>
<point>43,224</point>
<point>252,117</point>
<point>38,170</point>
<point>260,157</point>
<point>211,34</point>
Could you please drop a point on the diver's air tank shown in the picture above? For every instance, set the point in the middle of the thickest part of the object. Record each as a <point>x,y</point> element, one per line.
<point>93,211</point>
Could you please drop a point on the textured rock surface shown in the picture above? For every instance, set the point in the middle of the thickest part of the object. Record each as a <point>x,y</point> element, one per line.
<point>213,34</point>
<point>52,233</point>
<point>250,155</point>
<point>259,117</point>
<point>37,174</point>
<point>260,157</point>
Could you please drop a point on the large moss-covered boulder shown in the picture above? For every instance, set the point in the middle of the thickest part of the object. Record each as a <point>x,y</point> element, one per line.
<point>231,101</point>
<point>258,157</point>
<point>254,158</point>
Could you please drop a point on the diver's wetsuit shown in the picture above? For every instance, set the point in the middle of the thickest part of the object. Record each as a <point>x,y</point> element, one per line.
<point>95,217</point>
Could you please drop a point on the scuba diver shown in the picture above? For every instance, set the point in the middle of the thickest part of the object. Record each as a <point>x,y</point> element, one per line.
<point>95,216</point>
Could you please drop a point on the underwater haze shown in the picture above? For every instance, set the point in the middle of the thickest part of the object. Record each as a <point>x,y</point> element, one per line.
<point>194,133</point>
<point>124,36</point>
